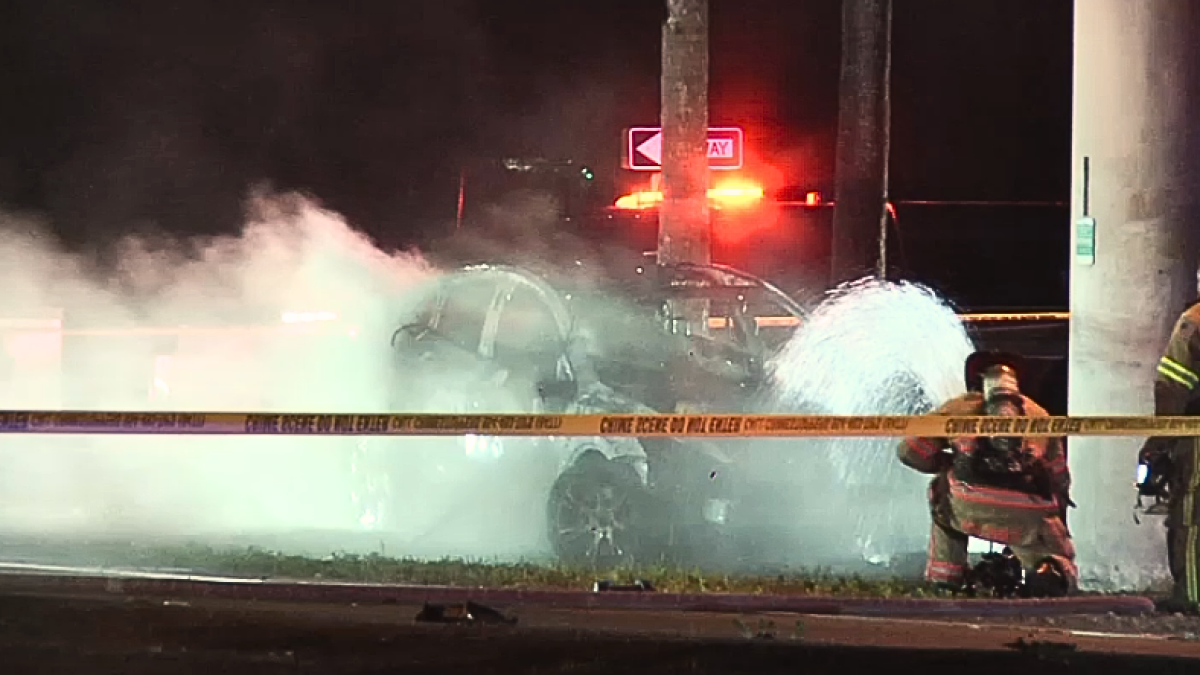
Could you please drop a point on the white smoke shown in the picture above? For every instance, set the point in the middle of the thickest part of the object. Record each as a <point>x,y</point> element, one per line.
<point>296,314</point>
<point>196,325</point>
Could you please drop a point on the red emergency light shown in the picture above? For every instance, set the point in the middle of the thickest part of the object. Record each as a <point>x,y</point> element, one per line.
<point>729,194</point>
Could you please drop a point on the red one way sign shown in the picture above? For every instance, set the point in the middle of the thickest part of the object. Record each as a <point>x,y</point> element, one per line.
<point>644,148</point>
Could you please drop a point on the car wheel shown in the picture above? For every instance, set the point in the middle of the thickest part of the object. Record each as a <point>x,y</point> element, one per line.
<point>594,512</point>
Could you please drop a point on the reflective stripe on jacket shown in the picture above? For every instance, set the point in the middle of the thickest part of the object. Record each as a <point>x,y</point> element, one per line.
<point>1175,385</point>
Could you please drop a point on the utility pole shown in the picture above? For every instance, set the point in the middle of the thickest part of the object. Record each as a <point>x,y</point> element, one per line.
<point>860,192</point>
<point>684,229</point>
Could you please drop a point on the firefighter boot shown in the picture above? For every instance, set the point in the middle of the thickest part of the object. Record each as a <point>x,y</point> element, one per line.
<point>1046,580</point>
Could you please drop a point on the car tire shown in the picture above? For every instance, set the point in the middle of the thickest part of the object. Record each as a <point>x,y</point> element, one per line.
<point>595,512</point>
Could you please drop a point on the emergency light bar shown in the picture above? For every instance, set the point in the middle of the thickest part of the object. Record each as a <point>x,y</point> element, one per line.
<point>720,196</point>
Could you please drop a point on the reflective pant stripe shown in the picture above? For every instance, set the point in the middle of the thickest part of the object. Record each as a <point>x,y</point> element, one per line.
<point>1189,562</point>
<point>947,574</point>
<point>1192,540</point>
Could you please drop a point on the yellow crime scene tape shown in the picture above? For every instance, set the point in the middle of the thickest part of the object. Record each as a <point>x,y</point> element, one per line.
<point>628,425</point>
<point>42,325</point>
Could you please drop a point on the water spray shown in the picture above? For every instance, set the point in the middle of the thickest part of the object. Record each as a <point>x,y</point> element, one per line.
<point>871,347</point>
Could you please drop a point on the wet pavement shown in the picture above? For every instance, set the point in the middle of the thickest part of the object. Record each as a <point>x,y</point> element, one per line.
<point>73,621</point>
<point>43,629</point>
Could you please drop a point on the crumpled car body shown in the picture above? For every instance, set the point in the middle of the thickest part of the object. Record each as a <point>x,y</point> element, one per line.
<point>495,338</point>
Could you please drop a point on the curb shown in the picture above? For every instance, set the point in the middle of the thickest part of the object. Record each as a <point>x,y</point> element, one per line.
<point>30,578</point>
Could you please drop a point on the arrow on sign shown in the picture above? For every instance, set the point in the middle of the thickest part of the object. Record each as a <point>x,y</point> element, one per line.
<point>652,148</point>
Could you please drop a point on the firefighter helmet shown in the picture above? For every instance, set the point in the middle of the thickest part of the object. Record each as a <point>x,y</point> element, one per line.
<point>981,361</point>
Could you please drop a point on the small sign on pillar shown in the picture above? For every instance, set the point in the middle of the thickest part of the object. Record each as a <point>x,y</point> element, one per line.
<point>1085,241</point>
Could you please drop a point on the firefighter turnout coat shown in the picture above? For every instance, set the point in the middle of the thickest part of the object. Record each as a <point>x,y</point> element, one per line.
<point>1175,393</point>
<point>1029,519</point>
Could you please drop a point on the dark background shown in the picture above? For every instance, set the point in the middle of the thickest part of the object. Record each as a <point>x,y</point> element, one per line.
<point>128,116</point>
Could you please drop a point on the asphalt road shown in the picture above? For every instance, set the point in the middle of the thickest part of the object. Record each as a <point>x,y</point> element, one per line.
<point>44,630</point>
<point>81,621</point>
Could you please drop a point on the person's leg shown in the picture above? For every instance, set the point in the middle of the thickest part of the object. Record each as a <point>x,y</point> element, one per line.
<point>1048,555</point>
<point>1027,524</point>
<point>1183,526</point>
<point>947,560</point>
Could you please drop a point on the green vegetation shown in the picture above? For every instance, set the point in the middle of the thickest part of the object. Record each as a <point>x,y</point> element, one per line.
<point>377,568</point>
<point>257,562</point>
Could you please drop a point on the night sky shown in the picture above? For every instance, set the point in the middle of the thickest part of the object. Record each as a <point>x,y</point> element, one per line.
<point>133,115</point>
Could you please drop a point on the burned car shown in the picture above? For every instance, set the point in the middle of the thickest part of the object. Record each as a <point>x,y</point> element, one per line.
<point>495,338</point>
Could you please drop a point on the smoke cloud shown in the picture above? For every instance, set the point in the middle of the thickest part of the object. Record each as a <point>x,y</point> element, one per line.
<point>198,324</point>
<point>295,313</point>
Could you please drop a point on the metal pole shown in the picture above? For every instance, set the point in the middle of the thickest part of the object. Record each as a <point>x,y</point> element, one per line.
<point>684,234</point>
<point>861,182</point>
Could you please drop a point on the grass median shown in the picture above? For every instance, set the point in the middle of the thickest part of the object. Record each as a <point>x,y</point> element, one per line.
<point>260,562</point>
<point>378,568</point>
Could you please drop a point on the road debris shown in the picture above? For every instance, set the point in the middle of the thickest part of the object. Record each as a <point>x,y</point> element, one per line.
<point>606,585</point>
<point>465,613</point>
<point>1043,649</point>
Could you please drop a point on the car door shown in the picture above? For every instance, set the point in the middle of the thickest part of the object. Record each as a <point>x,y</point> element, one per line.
<point>529,341</point>
<point>465,312</point>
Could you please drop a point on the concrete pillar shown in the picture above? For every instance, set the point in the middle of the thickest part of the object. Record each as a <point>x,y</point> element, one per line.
<point>1136,172</point>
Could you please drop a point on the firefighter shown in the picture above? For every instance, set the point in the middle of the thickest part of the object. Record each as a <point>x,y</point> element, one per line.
<point>1178,459</point>
<point>1011,491</point>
